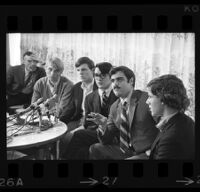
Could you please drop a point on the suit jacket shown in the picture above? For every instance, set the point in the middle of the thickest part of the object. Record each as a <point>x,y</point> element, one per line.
<point>15,78</point>
<point>74,111</point>
<point>41,89</point>
<point>142,125</point>
<point>176,140</point>
<point>93,104</point>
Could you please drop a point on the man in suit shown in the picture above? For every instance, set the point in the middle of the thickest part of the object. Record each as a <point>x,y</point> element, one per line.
<point>129,120</point>
<point>97,106</point>
<point>168,99</point>
<point>21,79</point>
<point>73,114</point>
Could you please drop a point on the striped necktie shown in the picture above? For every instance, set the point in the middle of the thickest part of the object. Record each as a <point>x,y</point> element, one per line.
<point>124,130</point>
<point>27,78</point>
<point>104,100</point>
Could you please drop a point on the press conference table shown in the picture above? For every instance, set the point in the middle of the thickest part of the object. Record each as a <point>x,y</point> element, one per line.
<point>39,138</point>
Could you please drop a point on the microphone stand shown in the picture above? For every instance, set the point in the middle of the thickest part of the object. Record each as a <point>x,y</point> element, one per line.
<point>48,114</point>
<point>40,118</point>
<point>56,113</point>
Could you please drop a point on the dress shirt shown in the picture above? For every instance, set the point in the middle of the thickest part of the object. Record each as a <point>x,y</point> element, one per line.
<point>53,86</point>
<point>87,88</point>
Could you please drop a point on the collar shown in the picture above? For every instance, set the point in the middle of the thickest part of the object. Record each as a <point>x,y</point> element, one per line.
<point>127,99</point>
<point>26,71</point>
<point>52,84</point>
<point>164,121</point>
<point>106,90</point>
<point>87,86</point>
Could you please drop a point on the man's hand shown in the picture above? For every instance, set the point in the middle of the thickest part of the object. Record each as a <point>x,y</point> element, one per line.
<point>136,157</point>
<point>97,119</point>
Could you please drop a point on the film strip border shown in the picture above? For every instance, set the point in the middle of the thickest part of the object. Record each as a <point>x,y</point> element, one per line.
<point>119,18</point>
<point>101,174</point>
<point>88,23</point>
<point>127,18</point>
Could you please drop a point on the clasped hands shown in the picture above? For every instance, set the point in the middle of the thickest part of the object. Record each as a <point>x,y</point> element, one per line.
<point>96,118</point>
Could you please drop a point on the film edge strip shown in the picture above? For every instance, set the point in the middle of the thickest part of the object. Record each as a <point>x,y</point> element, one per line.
<point>108,179</point>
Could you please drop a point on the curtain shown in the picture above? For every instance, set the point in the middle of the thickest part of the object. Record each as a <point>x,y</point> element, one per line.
<point>13,49</point>
<point>148,54</point>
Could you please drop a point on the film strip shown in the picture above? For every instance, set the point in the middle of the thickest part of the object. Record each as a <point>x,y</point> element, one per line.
<point>100,19</point>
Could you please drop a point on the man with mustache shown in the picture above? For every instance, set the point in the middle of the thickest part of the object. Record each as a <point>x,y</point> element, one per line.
<point>129,120</point>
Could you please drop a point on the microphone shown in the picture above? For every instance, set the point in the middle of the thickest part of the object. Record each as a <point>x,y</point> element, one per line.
<point>31,107</point>
<point>48,101</point>
<point>48,115</point>
<point>43,124</point>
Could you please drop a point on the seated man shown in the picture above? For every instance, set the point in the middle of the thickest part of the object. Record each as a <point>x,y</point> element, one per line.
<point>73,114</point>
<point>168,100</point>
<point>47,87</point>
<point>129,120</point>
<point>54,84</point>
<point>97,106</point>
<point>21,79</point>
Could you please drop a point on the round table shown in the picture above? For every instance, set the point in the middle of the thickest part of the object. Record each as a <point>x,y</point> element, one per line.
<point>37,139</point>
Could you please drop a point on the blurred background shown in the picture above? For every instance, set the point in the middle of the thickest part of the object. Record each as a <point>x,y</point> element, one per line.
<point>148,54</point>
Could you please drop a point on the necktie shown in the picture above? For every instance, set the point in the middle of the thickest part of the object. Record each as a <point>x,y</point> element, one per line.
<point>27,78</point>
<point>124,130</point>
<point>104,100</point>
<point>104,105</point>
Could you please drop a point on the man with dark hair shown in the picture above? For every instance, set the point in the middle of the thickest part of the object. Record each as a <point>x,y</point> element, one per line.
<point>21,79</point>
<point>73,114</point>
<point>97,106</point>
<point>129,120</point>
<point>176,139</point>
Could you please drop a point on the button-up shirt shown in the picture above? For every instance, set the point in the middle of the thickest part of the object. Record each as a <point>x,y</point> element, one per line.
<point>53,86</point>
<point>87,88</point>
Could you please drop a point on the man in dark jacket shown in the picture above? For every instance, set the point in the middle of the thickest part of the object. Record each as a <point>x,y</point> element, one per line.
<point>97,106</point>
<point>129,120</point>
<point>21,79</point>
<point>176,138</point>
<point>73,114</point>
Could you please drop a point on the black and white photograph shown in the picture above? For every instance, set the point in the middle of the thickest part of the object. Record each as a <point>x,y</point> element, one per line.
<point>100,96</point>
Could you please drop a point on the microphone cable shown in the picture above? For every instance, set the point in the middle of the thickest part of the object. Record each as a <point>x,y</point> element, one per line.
<point>19,128</point>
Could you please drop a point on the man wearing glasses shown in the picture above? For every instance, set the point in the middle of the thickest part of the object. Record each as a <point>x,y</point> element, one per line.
<point>97,106</point>
<point>21,79</point>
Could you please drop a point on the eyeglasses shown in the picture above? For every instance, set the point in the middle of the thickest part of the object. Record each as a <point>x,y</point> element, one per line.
<point>102,76</point>
<point>32,61</point>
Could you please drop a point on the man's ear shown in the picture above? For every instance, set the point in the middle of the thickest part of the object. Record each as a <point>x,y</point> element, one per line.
<point>93,71</point>
<point>131,80</point>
